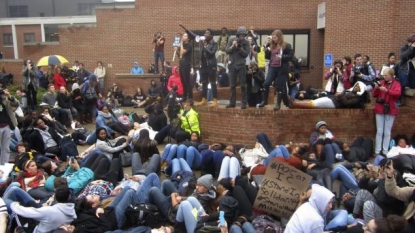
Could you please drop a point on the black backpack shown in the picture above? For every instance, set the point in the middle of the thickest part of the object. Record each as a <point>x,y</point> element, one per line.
<point>127,101</point>
<point>357,154</point>
<point>142,214</point>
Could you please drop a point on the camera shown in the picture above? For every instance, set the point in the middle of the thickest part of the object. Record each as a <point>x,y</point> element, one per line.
<point>386,108</point>
<point>174,88</point>
<point>377,82</point>
<point>380,101</point>
<point>239,42</point>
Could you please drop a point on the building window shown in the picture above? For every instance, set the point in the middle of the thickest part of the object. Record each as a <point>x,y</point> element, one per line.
<point>52,33</point>
<point>18,11</point>
<point>29,38</point>
<point>7,39</point>
<point>86,8</point>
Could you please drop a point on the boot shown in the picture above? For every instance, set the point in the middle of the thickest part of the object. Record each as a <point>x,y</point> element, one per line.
<point>286,100</point>
<point>214,102</point>
<point>163,166</point>
<point>277,100</point>
<point>202,103</point>
<point>264,99</point>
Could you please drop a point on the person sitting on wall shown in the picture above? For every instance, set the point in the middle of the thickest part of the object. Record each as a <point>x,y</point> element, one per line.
<point>137,69</point>
<point>353,98</point>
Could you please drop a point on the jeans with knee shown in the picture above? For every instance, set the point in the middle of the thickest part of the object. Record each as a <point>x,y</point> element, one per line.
<point>230,168</point>
<point>163,202</point>
<point>247,227</point>
<point>5,136</point>
<point>169,153</point>
<point>180,165</point>
<point>234,75</point>
<point>265,142</point>
<point>127,197</point>
<point>336,218</point>
<point>15,193</point>
<point>181,151</point>
<point>184,213</point>
<point>280,151</point>
<point>384,123</point>
<point>137,166</point>
<point>193,157</point>
<point>152,180</point>
<point>340,172</point>
<point>330,150</point>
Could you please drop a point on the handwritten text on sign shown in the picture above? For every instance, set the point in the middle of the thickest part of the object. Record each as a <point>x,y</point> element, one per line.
<point>280,189</point>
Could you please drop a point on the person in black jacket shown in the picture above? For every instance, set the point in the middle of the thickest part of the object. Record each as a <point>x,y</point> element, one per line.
<point>44,139</point>
<point>255,84</point>
<point>156,117</point>
<point>65,102</point>
<point>281,53</point>
<point>208,68</point>
<point>407,54</point>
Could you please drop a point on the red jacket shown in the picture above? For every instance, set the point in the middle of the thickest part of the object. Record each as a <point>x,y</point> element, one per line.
<point>58,81</point>
<point>175,80</point>
<point>391,96</point>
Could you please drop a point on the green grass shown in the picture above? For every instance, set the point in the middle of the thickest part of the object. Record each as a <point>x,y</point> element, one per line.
<point>13,88</point>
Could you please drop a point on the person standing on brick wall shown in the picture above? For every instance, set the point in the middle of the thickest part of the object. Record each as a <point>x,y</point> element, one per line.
<point>208,68</point>
<point>407,54</point>
<point>185,66</point>
<point>158,50</point>
<point>281,53</point>
<point>237,49</point>
<point>223,40</point>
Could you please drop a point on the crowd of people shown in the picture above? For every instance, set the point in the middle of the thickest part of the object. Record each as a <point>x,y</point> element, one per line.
<point>58,189</point>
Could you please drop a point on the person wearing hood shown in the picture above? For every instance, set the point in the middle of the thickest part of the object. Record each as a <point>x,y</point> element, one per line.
<point>154,93</point>
<point>238,48</point>
<point>175,81</point>
<point>156,117</point>
<point>91,93</point>
<point>319,212</point>
<point>137,69</point>
<point>49,217</point>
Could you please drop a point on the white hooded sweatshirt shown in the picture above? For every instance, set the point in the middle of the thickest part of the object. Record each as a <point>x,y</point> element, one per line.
<point>309,218</point>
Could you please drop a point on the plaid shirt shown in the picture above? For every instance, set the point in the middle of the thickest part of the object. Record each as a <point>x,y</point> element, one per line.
<point>102,188</point>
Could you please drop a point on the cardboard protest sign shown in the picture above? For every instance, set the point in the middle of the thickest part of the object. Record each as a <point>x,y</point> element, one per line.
<point>280,189</point>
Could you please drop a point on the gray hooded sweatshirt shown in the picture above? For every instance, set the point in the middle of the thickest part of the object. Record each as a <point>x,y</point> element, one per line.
<point>49,217</point>
<point>309,218</point>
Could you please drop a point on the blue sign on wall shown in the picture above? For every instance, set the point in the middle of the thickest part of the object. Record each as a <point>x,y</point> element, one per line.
<point>328,60</point>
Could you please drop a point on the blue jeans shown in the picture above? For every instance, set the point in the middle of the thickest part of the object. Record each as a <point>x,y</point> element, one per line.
<point>337,218</point>
<point>340,172</point>
<point>162,201</point>
<point>152,167</point>
<point>180,165</point>
<point>184,213</point>
<point>169,153</point>
<point>157,56</point>
<point>293,91</point>
<point>181,151</point>
<point>15,193</point>
<point>384,123</point>
<point>91,155</point>
<point>330,150</point>
<point>246,228</point>
<point>193,157</point>
<point>126,198</point>
<point>280,151</point>
<point>230,168</point>
<point>152,180</point>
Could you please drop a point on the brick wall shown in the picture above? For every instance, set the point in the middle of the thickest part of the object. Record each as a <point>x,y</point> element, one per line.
<point>294,125</point>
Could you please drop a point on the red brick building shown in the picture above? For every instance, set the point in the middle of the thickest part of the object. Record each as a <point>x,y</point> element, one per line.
<point>122,36</point>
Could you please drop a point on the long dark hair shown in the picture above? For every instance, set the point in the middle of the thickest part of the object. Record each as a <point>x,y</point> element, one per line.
<point>143,145</point>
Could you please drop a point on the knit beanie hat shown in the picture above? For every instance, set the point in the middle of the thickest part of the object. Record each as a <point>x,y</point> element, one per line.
<point>226,182</point>
<point>206,180</point>
<point>320,123</point>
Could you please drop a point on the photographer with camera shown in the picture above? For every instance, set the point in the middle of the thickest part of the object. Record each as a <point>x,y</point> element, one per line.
<point>362,72</point>
<point>30,84</point>
<point>238,48</point>
<point>386,93</point>
<point>335,79</point>
<point>255,84</point>
<point>175,88</point>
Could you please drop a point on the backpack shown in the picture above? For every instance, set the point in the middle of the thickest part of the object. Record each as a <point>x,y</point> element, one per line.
<point>209,229</point>
<point>142,214</point>
<point>126,158</point>
<point>90,92</point>
<point>357,154</point>
<point>127,101</point>
<point>68,147</point>
<point>261,222</point>
<point>21,224</point>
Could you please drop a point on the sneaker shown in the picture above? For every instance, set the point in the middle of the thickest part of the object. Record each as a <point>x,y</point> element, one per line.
<point>163,166</point>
